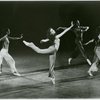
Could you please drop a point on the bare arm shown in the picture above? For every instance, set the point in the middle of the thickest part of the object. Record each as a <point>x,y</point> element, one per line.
<point>89,42</point>
<point>61,28</point>
<point>16,38</point>
<point>84,28</point>
<point>44,40</point>
<point>66,30</point>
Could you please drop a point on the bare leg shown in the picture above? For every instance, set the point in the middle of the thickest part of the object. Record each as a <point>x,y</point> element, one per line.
<point>52,59</point>
<point>49,50</point>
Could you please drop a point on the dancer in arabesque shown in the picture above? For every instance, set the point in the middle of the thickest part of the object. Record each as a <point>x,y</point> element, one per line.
<point>54,39</point>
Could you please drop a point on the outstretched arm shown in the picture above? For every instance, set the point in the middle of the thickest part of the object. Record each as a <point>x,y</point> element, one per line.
<point>89,42</point>
<point>66,30</point>
<point>61,28</point>
<point>16,38</point>
<point>49,50</point>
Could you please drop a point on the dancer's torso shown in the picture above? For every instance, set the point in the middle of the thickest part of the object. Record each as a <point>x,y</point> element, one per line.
<point>79,34</point>
<point>6,43</point>
<point>57,43</point>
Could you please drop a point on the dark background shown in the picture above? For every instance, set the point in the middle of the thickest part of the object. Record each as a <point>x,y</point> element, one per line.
<point>32,19</point>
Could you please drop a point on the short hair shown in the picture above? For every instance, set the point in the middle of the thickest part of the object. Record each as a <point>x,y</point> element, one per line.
<point>76,23</point>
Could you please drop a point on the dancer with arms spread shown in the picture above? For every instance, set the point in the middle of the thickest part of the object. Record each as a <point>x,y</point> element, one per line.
<point>4,51</point>
<point>54,39</point>
<point>78,30</point>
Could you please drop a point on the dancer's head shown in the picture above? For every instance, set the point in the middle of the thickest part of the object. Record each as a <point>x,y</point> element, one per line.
<point>76,23</point>
<point>8,31</point>
<point>4,32</point>
<point>51,33</point>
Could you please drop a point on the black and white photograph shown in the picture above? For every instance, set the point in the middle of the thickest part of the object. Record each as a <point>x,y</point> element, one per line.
<point>49,49</point>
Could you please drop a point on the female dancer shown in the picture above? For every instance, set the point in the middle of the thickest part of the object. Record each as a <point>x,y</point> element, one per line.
<point>96,58</point>
<point>52,50</point>
<point>78,30</point>
<point>4,51</point>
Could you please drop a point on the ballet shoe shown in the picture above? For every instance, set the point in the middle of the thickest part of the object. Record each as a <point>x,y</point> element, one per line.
<point>69,61</point>
<point>53,80</point>
<point>16,74</point>
<point>90,73</point>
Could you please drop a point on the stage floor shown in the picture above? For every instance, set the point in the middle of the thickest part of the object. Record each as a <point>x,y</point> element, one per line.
<point>72,80</point>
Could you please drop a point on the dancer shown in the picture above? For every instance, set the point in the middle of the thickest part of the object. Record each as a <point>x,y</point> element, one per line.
<point>78,30</point>
<point>4,51</point>
<point>54,39</point>
<point>96,58</point>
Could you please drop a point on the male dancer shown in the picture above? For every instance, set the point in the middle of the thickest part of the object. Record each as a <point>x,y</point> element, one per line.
<point>78,30</point>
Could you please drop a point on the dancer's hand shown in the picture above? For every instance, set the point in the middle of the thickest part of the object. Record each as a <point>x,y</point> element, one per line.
<point>44,40</point>
<point>41,41</point>
<point>72,24</point>
<point>21,36</point>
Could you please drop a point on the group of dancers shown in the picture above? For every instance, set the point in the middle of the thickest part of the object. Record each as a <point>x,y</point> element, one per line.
<point>54,39</point>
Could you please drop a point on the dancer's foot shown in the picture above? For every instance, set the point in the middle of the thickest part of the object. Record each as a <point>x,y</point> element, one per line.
<point>69,61</point>
<point>90,73</point>
<point>89,62</point>
<point>16,74</point>
<point>26,43</point>
<point>53,80</point>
